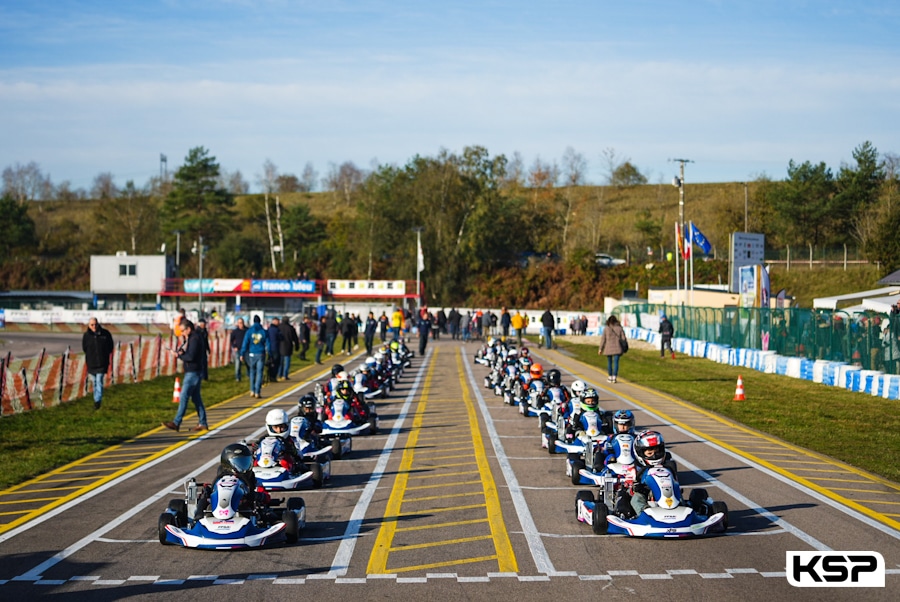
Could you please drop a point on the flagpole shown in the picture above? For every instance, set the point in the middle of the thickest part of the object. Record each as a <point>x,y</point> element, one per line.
<point>691,251</point>
<point>418,286</point>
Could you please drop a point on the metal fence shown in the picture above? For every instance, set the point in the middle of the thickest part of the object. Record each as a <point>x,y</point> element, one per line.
<point>870,340</point>
<point>48,380</point>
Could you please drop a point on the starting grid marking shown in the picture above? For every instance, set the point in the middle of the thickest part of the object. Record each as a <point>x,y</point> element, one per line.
<point>301,580</point>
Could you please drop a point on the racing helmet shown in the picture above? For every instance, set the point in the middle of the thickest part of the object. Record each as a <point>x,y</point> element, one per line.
<point>578,387</point>
<point>525,363</point>
<point>490,341</point>
<point>364,368</point>
<point>591,400</point>
<point>335,369</point>
<point>342,375</point>
<point>237,459</point>
<point>623,421</point>
<point>378,357</point>
<point>554,377</point>
<point>307,404</point>
<point>277,423</point>
<point>345,390</point>
<point>524,351</point>
<point>650,448</point>
<point>537,371</point>
<point>371,361</point>
<point>395,346</point>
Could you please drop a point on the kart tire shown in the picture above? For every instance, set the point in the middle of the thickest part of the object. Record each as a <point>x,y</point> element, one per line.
<point>697,500</point>
<point>165,519</point>
<point>373,424</point>
<point>551,444</point>
<point>336,449</point>
<point>576,466</point>
<point>723,508</point>
<point>292,526</point>
<point>583,496</point>
<point>179,507</point>
<point>318,478</point>
<point>599,524</point>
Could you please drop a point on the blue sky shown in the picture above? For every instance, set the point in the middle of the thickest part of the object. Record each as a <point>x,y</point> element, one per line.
<point>740,87</point>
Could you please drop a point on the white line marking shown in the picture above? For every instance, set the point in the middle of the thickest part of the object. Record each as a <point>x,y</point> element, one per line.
<point>538,551</point>
<point>341,563</point>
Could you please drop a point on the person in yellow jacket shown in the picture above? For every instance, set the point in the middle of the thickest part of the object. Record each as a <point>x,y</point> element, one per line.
<point>518,325</point>
<point>396,322</point>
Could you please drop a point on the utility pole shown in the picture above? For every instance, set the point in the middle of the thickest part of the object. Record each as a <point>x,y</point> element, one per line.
<point>679,182</point>
<point>746,198</point>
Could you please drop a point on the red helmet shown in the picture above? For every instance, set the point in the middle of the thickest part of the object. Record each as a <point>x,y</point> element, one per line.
<point>537,371</point>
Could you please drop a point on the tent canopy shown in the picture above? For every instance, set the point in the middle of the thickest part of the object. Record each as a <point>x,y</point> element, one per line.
<point>888,292</point>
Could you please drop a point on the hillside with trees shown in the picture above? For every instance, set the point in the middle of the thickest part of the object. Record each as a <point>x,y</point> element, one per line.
<point>493,231</point>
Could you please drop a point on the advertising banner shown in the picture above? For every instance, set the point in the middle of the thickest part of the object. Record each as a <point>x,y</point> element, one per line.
<point>283,286</point>
<point>366,288</point>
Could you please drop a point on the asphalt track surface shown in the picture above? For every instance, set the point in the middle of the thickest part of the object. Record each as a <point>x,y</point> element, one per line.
<point>454,498</point>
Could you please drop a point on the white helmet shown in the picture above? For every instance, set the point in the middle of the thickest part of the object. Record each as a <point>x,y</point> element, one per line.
<point>277,423</point>
<point>342,375</point>
<point>578,387</point>
<point>371,361</point>
<point>379,356</point>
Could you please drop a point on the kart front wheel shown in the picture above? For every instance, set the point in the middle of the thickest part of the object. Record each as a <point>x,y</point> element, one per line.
<point>551,442</point>
<point>318,478</point>
<point>292,528</point>
<point>336,449</point>
<point>723,508</point>
<point>577,465</point>
<point>164,519</point>
<point>599,524</point>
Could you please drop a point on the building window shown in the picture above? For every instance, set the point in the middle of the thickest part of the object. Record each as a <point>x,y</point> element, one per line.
<point>127,269</point>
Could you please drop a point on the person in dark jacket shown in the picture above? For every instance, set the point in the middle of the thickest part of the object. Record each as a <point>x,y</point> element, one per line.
<point>369,332</point>
<point>505,322</point>
<point>423,325</point>
<point>290,343</point>
<point>97,344</point>
<point>305,334</point>
<point>548,324</point>
<point>666,333</point>
<point>192,355</point>
<point>453,323</point>
<point>441,323</point>
<point>383,324</point>
<point>331,328</point>
<point>200,327</point>
<point>236,339</point>
<point>253,352</point>
<point>347,333</point>
<point>273,362</point>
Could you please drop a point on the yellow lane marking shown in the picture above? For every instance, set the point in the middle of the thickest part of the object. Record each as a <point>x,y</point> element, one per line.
<point>428,451</point>
<point>755,458</point>
<point>815,478</point>
<point>880,502</point>
<point>384,542</point>
<point>436,565</point>
<point>456,523</point>
<point>39,490</point>
<point>446,474</point>
<point>378,559</point>
<point>435,544</point>
<point>438,485</point>
<point>451,465</point>
<point>454,456</point>
<point>411,500</point>
<point>79,491</point>
<point>89,470</point>
<point>29,501</point>
<point>13,512</point>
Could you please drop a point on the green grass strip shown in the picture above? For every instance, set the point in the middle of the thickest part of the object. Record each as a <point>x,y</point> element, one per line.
<point>856,428</point>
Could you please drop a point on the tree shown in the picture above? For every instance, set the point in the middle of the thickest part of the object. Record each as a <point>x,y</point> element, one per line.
<point>344,180</point>
<point>288,183</point>
<point>234,183</point>
<point>17,227</point>
<point>26,183</point>
<point>197,205</point>
<point>650,229</point>
<point>574,168</point>
<point>127,222</point>
<point>309,178</point>
<point>104,186</point>
<point>802,204</point>
<point>626,174</point>
<point>858,190</point>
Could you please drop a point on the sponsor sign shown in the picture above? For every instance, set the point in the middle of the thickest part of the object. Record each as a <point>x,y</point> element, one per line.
<point>216,285</point>
<point>362,288</point>
<point>283,286</point>
<point>835,569</point>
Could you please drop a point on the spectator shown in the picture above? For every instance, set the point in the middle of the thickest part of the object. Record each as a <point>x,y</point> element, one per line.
<point>383,324</point>
<point>423,325</point>
<point>237,339</point>
<point>253,351</point>
<point>611,346</point>
<point>347,334</point>
<point>441,323</point>
<point>453,323</point>
<point>505,323</point>
<point>305,334</point>
<point>320,339</point>
<point>177,329</point>
<point>465,324</point>
<point>369,332</point>
<point>97,344</point>
<point>193,356</point>
<point>666,333</point>
<point>396,323</point>
<point>548,323</point>
<point>331,327</point>
<point>518,326</point>
<point>201,329</point>
<point>275,338</point>
<point>289,343</point>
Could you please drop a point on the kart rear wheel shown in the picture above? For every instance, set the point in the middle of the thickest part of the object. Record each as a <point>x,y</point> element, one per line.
<point>599,524</point>
<point>292,528</point>
<point>318,478</point>
<point>336,449</point>
<point>576,466</point>
<point>723,508</point>
<point>551,442</point>
<point>373,424</point>
<point>164,519</point>
<point>697,499</point>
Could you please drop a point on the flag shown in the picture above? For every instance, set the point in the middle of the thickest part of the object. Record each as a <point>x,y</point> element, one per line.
<point>700,240</point>
<point>679,241</point>
<point>420,264</point>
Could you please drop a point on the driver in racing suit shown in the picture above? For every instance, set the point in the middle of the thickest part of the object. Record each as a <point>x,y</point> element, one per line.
<point>277,425</point>
<point>649,451</point>
<point>358,409</point>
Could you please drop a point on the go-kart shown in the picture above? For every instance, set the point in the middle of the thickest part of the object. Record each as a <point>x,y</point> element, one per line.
<point>368,387</point>
<point>554,412</point>
<point>667,516</point>
<point>275,471</point>
<point>595,470</point>
<point>345,421</point>
<point>226,515</point>
<point>533,399</point>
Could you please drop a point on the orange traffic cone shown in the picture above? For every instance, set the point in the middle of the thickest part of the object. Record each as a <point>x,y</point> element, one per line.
<point>176,393</point>
<point>739,391</point>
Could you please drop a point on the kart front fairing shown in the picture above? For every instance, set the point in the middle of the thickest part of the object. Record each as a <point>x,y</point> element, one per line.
<point>210,533</point>
<point>680,521</point>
